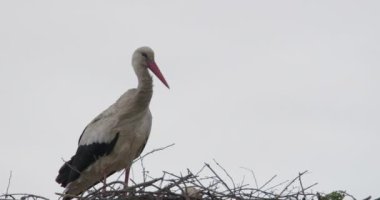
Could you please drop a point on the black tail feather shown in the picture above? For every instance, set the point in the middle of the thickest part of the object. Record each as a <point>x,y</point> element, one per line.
<point>64,173</point>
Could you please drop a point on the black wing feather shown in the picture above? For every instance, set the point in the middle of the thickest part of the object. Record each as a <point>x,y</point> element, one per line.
<point>83,158</point>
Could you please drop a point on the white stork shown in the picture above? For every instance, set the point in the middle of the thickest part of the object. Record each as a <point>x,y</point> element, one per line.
<point>116,136</point>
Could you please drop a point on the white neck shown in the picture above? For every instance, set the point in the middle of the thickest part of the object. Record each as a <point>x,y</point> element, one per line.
<point>145,85</point>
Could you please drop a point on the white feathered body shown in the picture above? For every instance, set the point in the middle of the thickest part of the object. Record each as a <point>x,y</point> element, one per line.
<point>133,128</point>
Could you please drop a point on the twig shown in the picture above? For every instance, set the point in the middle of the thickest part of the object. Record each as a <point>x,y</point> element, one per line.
<point>25,195</point>
<point>233,183</point>
<point>276,185</point>
<point>221,180</point>
<point>154,150</point>
<point>266,183</point>
<point>9,183</point>
<point>302,189</point>
<point>67,195</point>
<point>314,184</point>
<point>143,156</point>
<point>143,169</point>
<point>286,187</point>
<point>253,175</point>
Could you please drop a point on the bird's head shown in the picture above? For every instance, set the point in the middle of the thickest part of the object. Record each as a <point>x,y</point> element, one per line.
<point>143,57</point>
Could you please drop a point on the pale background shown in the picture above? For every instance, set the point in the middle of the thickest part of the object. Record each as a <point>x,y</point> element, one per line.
<point>275,86</point>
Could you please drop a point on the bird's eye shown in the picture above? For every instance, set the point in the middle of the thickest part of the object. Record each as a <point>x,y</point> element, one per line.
<point>145,56</point>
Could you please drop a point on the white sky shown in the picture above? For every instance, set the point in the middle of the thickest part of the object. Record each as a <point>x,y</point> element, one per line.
<point>275,86</point>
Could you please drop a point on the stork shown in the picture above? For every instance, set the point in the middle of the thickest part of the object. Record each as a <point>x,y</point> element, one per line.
<point>117,136</point>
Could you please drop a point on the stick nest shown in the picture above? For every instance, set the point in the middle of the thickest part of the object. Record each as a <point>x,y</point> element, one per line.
<point>210,182</point>
<point>195,186</point>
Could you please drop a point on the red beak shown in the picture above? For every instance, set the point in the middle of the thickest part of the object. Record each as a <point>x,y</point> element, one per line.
<point>154,68</point>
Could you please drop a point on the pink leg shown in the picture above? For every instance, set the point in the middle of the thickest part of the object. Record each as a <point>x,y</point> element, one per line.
<point>126,181</point>
<point>126,177</point>
<point>104,183</point>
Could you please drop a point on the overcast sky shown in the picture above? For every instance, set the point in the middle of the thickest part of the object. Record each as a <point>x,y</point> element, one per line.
<point>275,86</point>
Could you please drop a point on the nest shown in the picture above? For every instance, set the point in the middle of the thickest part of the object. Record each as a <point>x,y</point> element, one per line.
<point>210,182</point>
